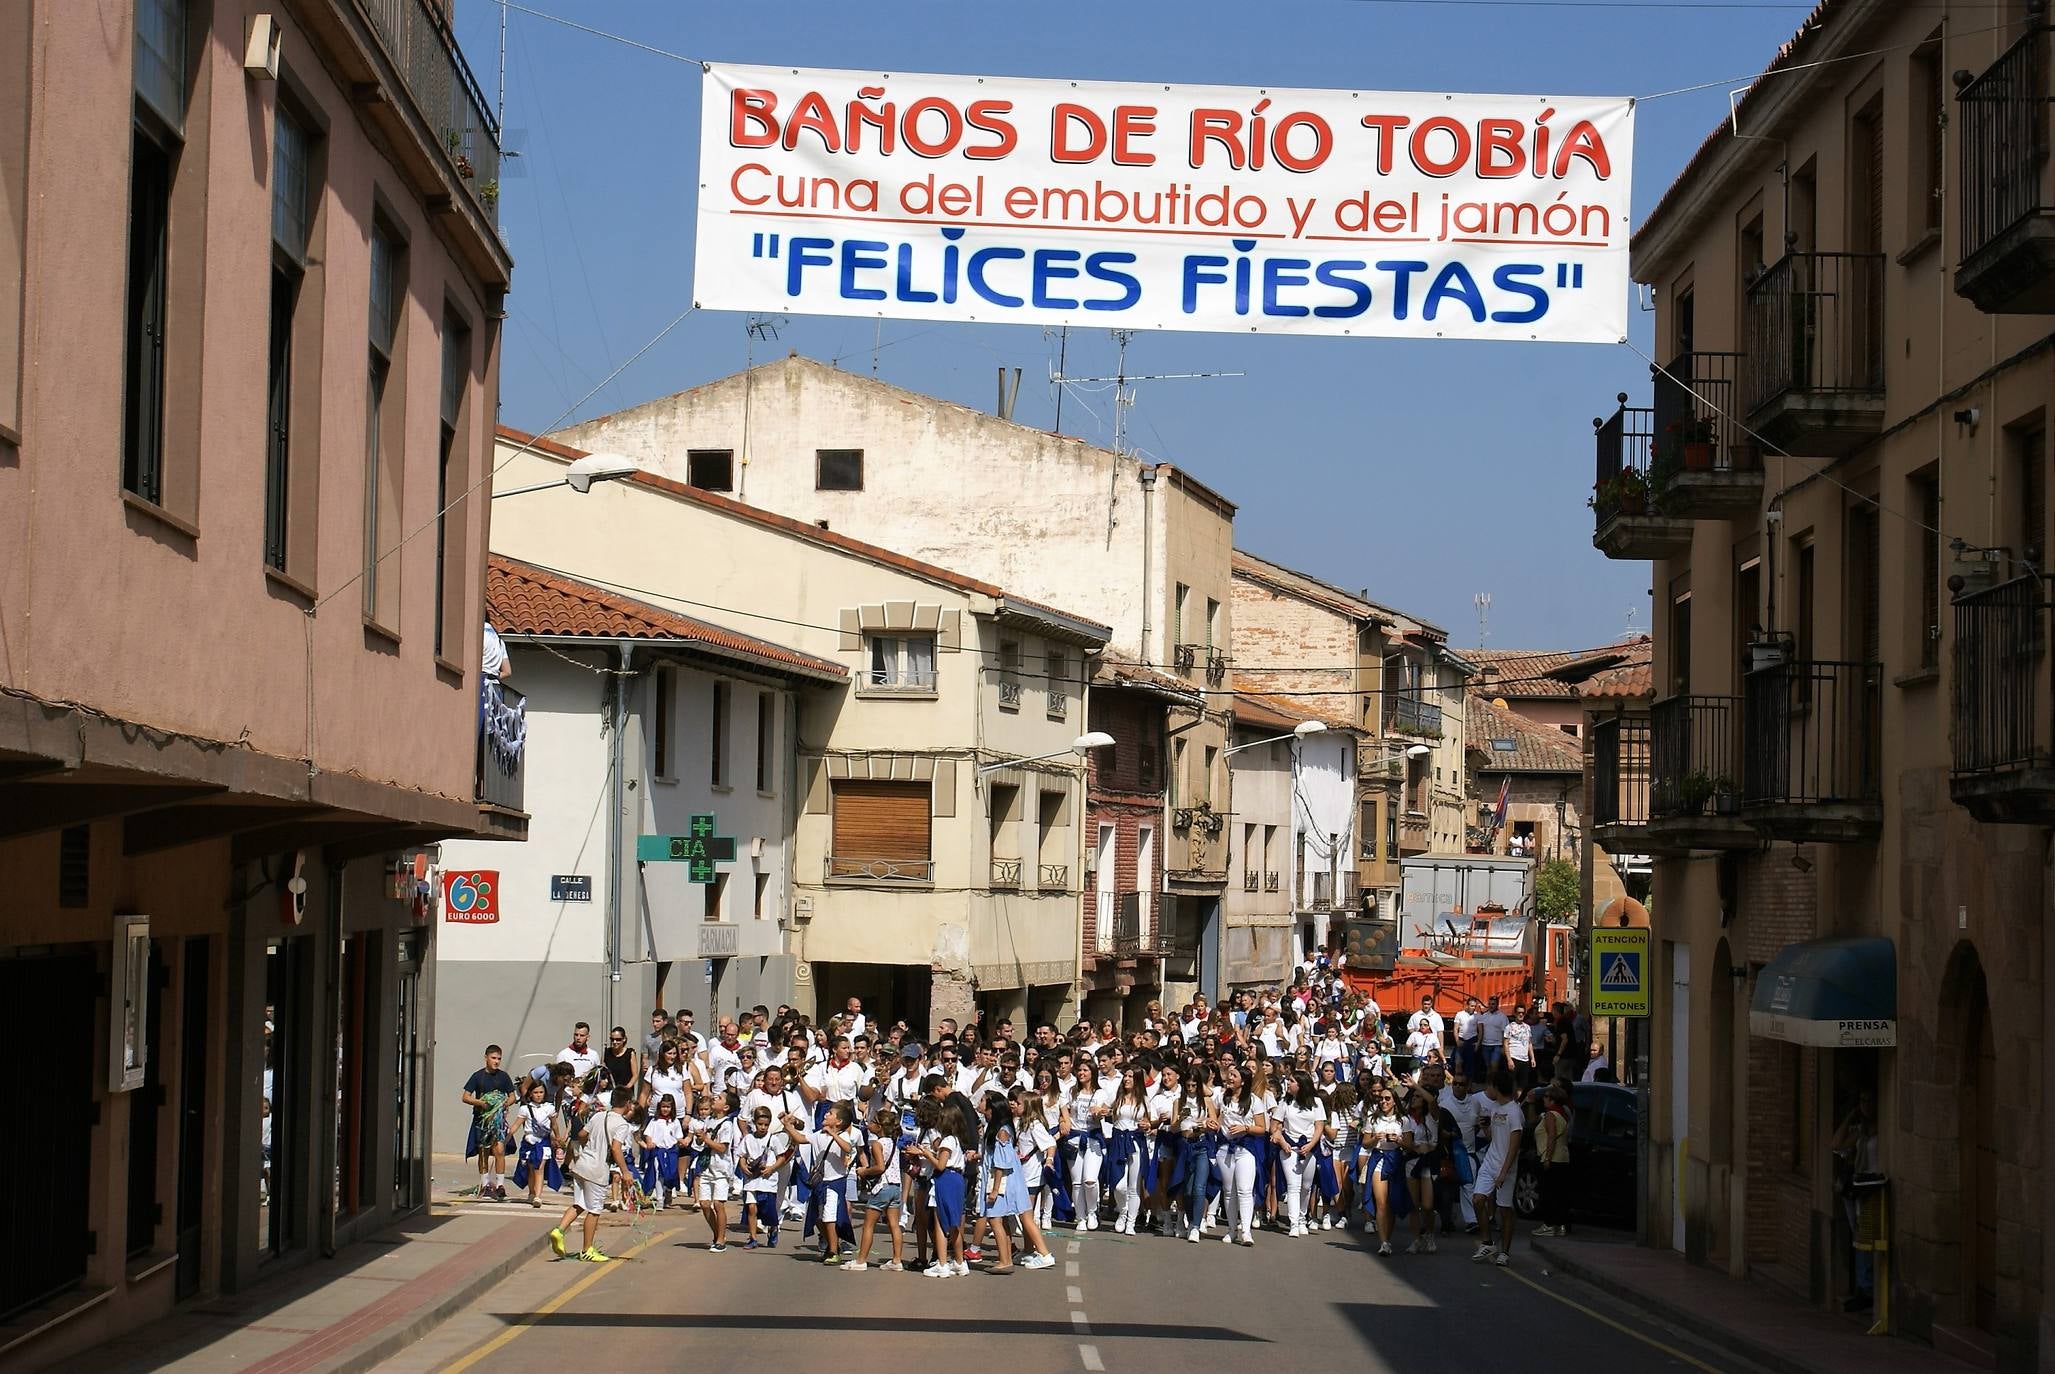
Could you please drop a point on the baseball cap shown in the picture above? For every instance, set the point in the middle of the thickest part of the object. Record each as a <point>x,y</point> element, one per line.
<point>910,1050</point>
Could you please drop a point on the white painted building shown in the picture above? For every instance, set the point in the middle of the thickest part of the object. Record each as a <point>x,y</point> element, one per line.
<point>935,814</point>
<point>704,717</point>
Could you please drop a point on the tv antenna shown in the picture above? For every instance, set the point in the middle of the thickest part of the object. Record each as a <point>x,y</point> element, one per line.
<point>1483,603</point>
<point>757,327</point>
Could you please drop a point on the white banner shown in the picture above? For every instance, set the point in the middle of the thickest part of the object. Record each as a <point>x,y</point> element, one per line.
<point>1002,199</point>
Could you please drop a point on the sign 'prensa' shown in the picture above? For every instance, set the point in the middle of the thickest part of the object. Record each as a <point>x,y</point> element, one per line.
<point>987,199</point>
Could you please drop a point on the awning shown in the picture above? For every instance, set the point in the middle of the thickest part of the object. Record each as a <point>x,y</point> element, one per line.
<point>1833,994</point>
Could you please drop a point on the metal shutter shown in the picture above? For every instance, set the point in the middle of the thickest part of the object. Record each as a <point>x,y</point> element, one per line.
<point>881,820</point>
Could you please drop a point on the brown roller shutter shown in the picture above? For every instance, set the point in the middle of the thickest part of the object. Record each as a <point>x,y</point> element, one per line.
<point>880,820</point>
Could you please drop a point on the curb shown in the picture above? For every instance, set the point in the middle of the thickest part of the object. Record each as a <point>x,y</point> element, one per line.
<point>392,1341</point>
<point>1721,1337</point>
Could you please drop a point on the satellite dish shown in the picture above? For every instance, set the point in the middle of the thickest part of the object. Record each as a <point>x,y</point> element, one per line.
<point>1500,703</point>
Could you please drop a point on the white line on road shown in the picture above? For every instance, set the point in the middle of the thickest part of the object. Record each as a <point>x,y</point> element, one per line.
<point>1090,1355</point>
<point>1077,1320</point>
<point>1075,1246</point>
<point>1073,1294</point>
<point>1070,1269</point>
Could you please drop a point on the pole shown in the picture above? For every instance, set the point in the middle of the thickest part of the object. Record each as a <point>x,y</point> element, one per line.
<point>616,795</point>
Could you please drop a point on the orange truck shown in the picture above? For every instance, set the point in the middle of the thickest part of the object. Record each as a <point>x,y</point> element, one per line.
<point>1466,929</point>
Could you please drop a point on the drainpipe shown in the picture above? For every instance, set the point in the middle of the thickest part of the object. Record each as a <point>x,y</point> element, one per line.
<point>1148,480</point>
<point>616,799</point>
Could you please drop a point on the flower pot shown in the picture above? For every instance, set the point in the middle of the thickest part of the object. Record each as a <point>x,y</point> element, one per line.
<point>1633,502</point>
<point>1698,454</point>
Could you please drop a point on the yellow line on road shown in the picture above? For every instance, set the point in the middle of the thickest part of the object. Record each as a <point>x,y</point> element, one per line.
<point>465,1361</point>
<point>1621,1327</point>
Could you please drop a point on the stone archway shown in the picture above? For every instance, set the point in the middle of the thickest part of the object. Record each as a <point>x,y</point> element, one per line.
<point>1966,1059</point>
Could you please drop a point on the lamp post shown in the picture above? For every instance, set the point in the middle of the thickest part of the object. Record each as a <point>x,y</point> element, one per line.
<point>1081,746</point>
<point>579,477</point>
<point>1299,731</point>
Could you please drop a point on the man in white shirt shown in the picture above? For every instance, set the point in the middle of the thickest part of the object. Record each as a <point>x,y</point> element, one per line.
<point>834,1080</point>
<point>579,1054</point>
<point>1463,1106</point>
<point>1518,1045</point>
<point>903,1089</point>
<point>1466,1034</point>
<point>1502,1125</point>
<point>599,1157</point>
<point>853,1014</point>
<point>1433,1017</point>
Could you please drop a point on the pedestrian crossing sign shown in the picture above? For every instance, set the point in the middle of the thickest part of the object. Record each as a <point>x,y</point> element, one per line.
<point>1619,972</point>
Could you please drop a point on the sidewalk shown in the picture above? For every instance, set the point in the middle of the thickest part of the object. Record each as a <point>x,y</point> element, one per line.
<point>350,1312</point>
<point>1756,1324</point>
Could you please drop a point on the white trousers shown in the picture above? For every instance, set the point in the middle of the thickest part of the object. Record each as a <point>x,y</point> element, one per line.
<point>1298,1184</point>
<point>1084,1177</point>
<point>1128,1190</point>
<point>1237,1187</point>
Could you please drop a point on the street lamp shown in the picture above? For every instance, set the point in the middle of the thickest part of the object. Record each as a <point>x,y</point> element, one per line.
<point>1299,731</point>
<point>1418,751</point>
<point>1081,746</point>
<point>579,477</point>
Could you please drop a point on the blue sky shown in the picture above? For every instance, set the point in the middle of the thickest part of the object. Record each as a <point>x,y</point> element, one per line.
<point>1425,472</point>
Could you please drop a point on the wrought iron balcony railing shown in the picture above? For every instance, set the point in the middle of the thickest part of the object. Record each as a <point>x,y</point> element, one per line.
<point>1811,734</point>
<point>2003,716</point>
<point>1815,326</point>
<point>502,766</point>
<point>417,37</point>
<point>1009,693</point>
<point>1694,756</point>
<point>1409,715</point>
<point>1620,769</point>
<point>1054,877</point>
<point>854,867</point>
<point>2005,143</point>
<point>1006,873</point>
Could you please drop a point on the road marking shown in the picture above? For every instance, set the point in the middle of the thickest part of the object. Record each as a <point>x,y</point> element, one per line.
<point>473,1357</point>
<point>1075,1246</point>
<point>1077,1319</point>
<point>1070,1269</point>
<point>1671,1351</point>
<point>1074,1294</point>
<point>1090,1355</point>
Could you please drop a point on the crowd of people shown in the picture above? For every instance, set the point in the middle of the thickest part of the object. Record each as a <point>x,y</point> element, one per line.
<point>1304,1108</point>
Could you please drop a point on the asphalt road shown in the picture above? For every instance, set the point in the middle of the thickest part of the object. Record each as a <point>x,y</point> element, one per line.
<point>1112,1302</point>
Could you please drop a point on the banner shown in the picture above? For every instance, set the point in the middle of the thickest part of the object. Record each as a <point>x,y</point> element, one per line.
<point>1239,210</point>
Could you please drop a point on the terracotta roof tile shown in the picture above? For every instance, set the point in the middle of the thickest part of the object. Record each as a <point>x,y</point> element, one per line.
<point>1554,673</point>
<point>524,599</point>
<point>1536,748</point>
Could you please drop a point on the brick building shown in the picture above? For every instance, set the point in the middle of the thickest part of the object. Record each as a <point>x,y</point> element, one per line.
<point>1840,481</point>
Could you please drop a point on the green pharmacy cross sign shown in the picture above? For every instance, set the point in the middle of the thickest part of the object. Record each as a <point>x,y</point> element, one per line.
<point>698,847</point>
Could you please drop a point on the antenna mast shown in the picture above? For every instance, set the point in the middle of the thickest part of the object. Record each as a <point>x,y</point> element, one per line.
<point>1483,603</point>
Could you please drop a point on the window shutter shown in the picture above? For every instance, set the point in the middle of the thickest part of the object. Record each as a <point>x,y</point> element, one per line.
<point>881,820</point>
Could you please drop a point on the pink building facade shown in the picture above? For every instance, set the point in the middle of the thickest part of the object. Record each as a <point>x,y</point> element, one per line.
<point>250,292</point>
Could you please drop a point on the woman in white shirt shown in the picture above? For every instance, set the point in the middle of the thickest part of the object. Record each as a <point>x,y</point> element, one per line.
<point>536,1162</point>
<point>1127,1149</point>
<point>1085,1146</point>
<point>1384,1135</point>
<point>1244,1126</point>
<point>1297,1127</point>
<point>1423,1166</point>
<point>665,1077</point>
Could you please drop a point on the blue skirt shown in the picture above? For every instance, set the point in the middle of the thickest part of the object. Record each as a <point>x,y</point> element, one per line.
<point>947,1200</point>
<point>659,1165</point>
<point>538,1154</point>
<point>1391,1167</point>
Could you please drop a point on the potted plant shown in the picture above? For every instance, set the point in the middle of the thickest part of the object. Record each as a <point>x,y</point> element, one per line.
<point>1726,801</point>
<point>1696,790</point>
<point>1695,436</point>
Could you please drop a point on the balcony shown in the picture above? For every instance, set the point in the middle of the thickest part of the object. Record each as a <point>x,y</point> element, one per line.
<point>1619,783</point>
<point>1006,873</point>
<point>1376,762</point>
<point>1128,928</point>
<point>1628,523</point>
<point>1009,693</point>
<point>1408,715</point>
<point>890,871</point>
<point>2003,731</point>
<point>1053,877</point>
<point>1059,704</point>
<point>1810,768</point>
<point>2008,207</point>
<point>1413,838</point>
<point>1323,892</point>
<point>1272,881</point>
<point>502,767</point>
<point>1706,466</point>
<point>1251,880</point>
<point>417,38</point>
<point>1694,748</point>
<point>1813,379</point>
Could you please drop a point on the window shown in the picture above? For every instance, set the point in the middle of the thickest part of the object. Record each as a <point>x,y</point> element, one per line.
<point>149,224</point>
<point>838,469</point>
<point>1177,780</point>
<point>1573,731</point>
<point>766,741</point>
<point>1184,594</point>
<point>1680,643</point>
<point>1747,610</point>
<point>384,412</point>
<point>1212,622</point>
<point>292,390</point>
<point>763,887</point>
<point>161,59</point>
<point>1209,758</point>
<point>1929,110</point>
<point>1926,505</point>
<point>285,290</point>
<point>1149,756</point>
<point>710,469</point>
<point>660,722</point>
<point>1861,573</point>
<point>1056,680</point>
<point>1805,575</point>
<point>717,746</point>
<point>1366,831</point>
<point>902,663</point>
<point>716,896</point>
<point>2029,504</point>
<point>881,830</point>
<point>1504,744</point>
<point>452,480</point>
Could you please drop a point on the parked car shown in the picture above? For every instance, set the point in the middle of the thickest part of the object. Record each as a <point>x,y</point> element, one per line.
<point>1603,1131</point>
